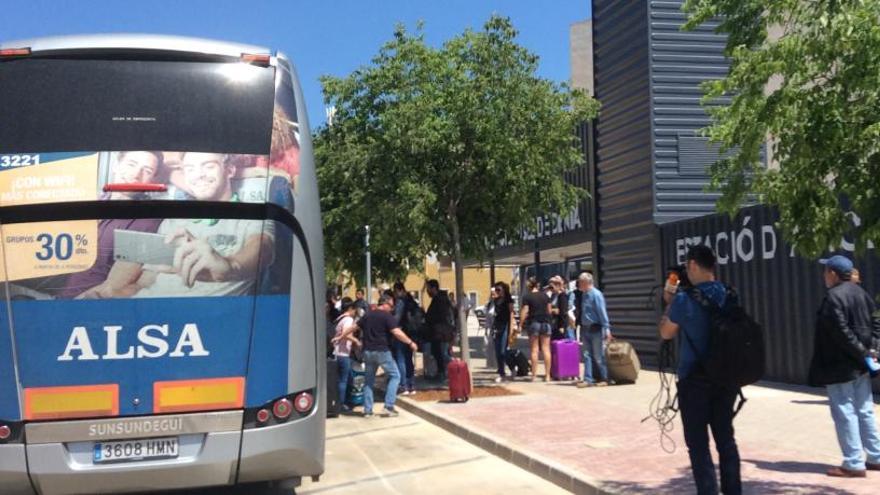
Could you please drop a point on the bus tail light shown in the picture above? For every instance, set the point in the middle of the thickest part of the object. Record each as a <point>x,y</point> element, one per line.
<point>263,416</point>
<point>282,409</point>
<point>14,52</point>
<point>303,402</point>
<point>11,432</point>
<point>262,59</point>
<point>286,408</point>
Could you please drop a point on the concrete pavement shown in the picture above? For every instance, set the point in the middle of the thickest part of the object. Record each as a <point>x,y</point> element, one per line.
<point>406,455</point>
<point>594,441</point>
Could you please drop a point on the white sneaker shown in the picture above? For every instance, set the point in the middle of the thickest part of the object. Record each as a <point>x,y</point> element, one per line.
<point>498,379</point>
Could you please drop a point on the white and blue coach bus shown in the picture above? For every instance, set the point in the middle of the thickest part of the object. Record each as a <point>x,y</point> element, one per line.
<point>161,264</point>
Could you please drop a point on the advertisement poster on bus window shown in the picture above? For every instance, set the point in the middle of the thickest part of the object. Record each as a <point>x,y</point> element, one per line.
<point>147,257</point>
<point>47,248</point>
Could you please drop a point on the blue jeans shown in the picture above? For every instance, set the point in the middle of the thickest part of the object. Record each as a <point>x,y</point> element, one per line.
<point>852,408</point>
<point>501,348</point>
<point>403,356</point>
<point>704,406</point>
<point>343,364</point>
<point>372,361</point>
<point>538,329</point>
<point>594,348</point>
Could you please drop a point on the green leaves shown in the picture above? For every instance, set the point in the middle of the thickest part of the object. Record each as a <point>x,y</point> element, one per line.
<point>813,89</point>
<point>430,141</point>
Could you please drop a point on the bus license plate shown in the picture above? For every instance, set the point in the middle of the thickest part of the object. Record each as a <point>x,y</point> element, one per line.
<point>136,450</point>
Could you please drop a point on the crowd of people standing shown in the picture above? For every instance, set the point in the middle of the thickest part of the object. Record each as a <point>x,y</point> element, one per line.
<point>550,312</point>
<point>387,336</point>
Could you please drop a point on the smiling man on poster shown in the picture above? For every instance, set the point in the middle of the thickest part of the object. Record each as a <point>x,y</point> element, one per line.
<point>212,257</point>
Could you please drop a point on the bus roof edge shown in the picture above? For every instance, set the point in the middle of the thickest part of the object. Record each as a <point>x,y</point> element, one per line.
<point>165,43</point>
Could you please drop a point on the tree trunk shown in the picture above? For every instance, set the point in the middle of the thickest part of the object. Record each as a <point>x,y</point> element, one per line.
<point>459,290</point>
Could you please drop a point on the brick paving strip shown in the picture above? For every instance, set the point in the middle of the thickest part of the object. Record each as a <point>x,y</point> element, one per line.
<point>593,441</point>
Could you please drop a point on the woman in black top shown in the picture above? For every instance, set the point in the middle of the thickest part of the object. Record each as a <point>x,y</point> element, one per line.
<point>558,308</point>
<point>502,325</point>
<point>535,317</point>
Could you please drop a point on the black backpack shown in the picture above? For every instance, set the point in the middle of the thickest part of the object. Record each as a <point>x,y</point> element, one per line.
<point>736,354</point>
<point>413,318</point>
<point>517,362</point>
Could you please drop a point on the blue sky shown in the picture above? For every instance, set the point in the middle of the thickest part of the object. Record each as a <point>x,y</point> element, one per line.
<point>321,36</point>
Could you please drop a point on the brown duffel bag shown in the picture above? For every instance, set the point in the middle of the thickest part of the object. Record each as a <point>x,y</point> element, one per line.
<point>623,362</point>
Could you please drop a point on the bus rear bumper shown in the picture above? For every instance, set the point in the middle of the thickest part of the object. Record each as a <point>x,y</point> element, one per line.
<point>284,451</point>
<point>213,451</point>
<point>56,470</point>
<point>13,471</point>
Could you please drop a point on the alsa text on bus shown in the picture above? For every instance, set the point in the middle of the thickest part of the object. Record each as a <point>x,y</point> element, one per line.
<point>152,343</point>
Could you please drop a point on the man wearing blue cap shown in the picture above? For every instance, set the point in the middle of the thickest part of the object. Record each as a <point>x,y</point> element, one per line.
<point>844,357</point>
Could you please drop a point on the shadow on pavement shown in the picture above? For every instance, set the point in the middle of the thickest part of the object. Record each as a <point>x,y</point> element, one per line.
<point>817,402</point>
<point>683,483</point>
<point>790,466</point>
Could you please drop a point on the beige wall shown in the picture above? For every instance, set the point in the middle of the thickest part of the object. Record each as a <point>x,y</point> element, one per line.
<point>581,53</point>
<point>476,280</point>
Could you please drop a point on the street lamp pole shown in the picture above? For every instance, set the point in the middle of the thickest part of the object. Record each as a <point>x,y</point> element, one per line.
<point>369,267</point>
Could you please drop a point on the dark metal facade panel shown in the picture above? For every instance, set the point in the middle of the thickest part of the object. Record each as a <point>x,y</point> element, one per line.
<point>582,176</point>
<point>680,62</point>
<point>780,290</point>
<point>628,258</point>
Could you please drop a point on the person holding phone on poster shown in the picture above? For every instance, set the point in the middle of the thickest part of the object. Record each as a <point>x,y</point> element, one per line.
<point>130,167</point>
<point>211,257</point>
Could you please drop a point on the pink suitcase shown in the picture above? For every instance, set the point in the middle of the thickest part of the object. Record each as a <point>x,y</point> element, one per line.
<point>565,359</point>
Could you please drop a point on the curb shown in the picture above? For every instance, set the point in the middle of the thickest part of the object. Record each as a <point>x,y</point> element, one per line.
<point>569,480</point>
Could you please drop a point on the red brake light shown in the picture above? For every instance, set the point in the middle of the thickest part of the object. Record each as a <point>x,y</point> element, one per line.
<point>15,52</point>
<point>263,415</point>
<point>282,409</point>
<point>5,432</point>
<point>135,187</point>
<point>303,402</point>
<point>256,58</point>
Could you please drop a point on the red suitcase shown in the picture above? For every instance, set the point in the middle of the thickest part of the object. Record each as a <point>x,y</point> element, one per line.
<point>459,381</point>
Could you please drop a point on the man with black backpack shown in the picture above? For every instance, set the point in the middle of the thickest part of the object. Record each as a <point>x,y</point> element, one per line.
<point>706,397</point>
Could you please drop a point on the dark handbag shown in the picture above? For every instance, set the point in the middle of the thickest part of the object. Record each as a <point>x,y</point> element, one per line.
<point>444,332</point>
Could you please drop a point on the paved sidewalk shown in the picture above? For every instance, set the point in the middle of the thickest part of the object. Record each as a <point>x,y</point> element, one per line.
<point>594,441</point>
<point>405,455</point>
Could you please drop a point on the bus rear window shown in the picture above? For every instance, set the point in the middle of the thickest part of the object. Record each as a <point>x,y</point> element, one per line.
<point>69,105</point>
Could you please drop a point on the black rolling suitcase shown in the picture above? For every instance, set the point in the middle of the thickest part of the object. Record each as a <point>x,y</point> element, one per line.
<point>333,404</point>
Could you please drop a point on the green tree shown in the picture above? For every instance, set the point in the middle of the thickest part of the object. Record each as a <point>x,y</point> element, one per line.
<point>806,74</point>
<point>444,149</point>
